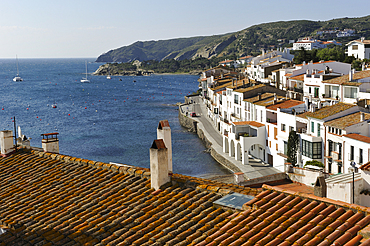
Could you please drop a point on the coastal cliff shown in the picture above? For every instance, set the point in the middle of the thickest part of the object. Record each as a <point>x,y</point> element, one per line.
<point>248,41</point>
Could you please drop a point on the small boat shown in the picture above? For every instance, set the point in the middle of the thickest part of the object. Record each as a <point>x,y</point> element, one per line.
<point>17,78</point>
<point>120,79</point>
<point>85,80</point>
<point>108,77</point>
<point>54,105</point>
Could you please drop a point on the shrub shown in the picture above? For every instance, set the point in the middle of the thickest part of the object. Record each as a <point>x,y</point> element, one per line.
<point>315,163</point>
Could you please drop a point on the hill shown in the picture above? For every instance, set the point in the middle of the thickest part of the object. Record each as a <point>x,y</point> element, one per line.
<point>245,42</point>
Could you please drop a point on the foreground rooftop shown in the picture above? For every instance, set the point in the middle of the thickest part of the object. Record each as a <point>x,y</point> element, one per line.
<point>52,199</point>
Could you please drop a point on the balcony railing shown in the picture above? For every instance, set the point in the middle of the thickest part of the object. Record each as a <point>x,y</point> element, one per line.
<point>243,134</point>
<point>295,89</point>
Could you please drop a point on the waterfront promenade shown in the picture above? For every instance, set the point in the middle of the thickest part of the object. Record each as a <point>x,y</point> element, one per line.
<point>255,169</point>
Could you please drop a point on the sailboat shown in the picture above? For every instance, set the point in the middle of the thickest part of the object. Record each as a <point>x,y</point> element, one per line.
<point>17,78</point>
<point>108,77</point>
<point>85,80</point>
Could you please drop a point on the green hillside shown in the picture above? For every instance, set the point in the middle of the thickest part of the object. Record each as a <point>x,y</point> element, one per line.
<point>245,42</point>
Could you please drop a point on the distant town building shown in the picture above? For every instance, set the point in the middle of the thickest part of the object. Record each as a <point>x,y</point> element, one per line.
<point>359,48</point>
<point>309,44</point>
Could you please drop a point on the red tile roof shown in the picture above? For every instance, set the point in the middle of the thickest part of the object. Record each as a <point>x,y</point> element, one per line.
<point>245,57</point>
<point>329,110</point>
<point>285,104</point>
<point>251,123</point>
<point>358,137</point>
<point>348,120</point>
<point>365,167</point>
<point>278,217</point>
<point>298,77</point>
<point>344,80</point>
<point>51,199</point>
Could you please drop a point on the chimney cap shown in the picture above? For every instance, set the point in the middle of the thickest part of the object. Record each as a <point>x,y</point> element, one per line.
<point>158,144</point>
<point>163,123</point>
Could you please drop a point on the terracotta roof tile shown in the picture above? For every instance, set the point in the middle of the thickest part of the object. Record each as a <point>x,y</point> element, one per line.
<point>344,80</point>
<point>119,208</point>
<point>328,110</point>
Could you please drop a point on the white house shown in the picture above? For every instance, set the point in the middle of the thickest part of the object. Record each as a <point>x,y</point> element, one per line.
<point>314,139</point>
<point>359,48</point>
<point>349,87</point>
<point>343,141</point>
<point>308,44</point>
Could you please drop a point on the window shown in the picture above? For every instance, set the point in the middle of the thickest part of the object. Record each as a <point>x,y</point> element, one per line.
<point>312,150</point>
<point>355,47</point>
<point>283,127</point>
<point>316,150</point>
<point>350,92</point>
<point>291,129</point>
<point>352,153</point>
<point>309,90</point>
<point>312,127</point>
<point>318,129</point>
<point>236,99</point>
<point>330,147</point>
<point>360,159</point>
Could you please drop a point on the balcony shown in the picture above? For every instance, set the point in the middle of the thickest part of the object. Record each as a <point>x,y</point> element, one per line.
<point>295,89</point>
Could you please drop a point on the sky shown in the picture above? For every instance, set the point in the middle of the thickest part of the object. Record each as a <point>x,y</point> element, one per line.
<point>86,29</point>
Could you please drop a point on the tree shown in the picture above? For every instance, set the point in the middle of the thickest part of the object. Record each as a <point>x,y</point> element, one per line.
<point>293,145</point>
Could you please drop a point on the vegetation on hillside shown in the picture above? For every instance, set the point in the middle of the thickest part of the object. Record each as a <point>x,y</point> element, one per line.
<point>246,42</point>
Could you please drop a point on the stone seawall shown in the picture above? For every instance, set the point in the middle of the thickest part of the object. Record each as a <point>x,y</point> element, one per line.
<point>192,126</point>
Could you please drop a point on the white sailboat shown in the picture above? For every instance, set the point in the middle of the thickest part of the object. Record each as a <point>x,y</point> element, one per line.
<point>17,78</point>
<point>85,80</point>
<point>108,77</point>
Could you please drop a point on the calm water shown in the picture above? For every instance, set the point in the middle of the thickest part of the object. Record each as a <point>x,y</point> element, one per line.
<point>105,120</point>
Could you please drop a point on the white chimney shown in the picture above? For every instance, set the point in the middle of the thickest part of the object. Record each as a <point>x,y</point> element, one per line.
<point>239,177</point>
<point>362,116</point>
<point>275,98</point>
<point>306,102</point>
<point>164,132</point>
<point>158,164</point>
<point>50,142</point>
<point>350,75</point>
<point>6,142</point>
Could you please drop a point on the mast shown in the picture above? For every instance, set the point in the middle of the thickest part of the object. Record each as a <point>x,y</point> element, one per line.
<point>16,58</point>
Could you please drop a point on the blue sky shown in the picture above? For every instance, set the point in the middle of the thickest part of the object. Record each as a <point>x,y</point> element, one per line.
<point>67,29</point>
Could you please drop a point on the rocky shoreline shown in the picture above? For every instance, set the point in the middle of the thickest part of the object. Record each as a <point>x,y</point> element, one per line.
<point>106,69</point>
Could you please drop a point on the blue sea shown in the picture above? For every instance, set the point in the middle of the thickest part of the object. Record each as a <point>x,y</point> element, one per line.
<point>105,120</point>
